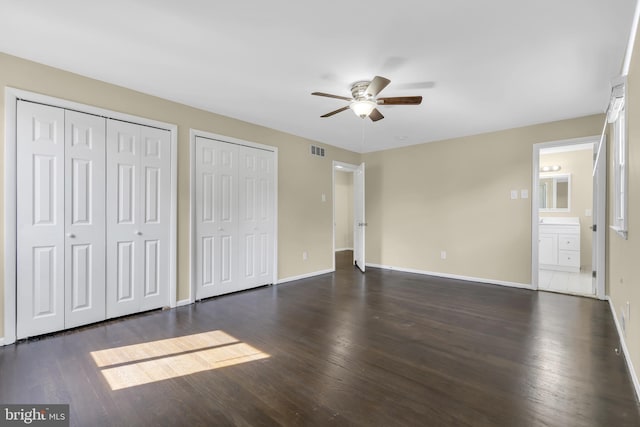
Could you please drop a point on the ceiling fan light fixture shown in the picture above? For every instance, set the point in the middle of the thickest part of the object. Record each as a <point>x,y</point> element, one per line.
<point>362,108</point>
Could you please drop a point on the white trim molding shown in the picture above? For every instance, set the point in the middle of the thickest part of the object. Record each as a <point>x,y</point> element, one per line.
<point>1,342</point>
<point>625,351</point>
<point>475,280</point>
<point>183,302</point>
<point>304,276</point>
<point>12,96</point>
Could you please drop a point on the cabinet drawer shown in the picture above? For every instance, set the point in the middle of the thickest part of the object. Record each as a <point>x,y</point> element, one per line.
<point>569,258</point>
<point>569,242</point>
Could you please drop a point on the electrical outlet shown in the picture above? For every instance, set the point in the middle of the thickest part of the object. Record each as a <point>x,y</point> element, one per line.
<point>443,254</point>
<point>305,255</point>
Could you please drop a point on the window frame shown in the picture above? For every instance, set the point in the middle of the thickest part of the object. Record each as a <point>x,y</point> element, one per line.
<point>620,170</point>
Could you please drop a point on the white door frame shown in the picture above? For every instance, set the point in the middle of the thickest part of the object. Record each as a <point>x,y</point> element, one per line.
<point>535,218</point>
<point>193,133</point>
<point>10,193</point>
<point>344,167</point>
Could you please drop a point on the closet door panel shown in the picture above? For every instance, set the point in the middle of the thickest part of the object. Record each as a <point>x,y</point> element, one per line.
<point>256,215</point>
<point>124,249</point>
<point>153,220</point>
<point>84,260</point>
<point>216,218</point>
<point>40,219</point>
<point>139,201</point>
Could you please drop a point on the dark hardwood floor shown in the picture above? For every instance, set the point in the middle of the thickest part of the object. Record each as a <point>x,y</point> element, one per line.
<point>383,348</point>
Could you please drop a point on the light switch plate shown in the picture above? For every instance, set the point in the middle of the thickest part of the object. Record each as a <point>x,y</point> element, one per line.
<point>514,194</point>
<point>524,194</point>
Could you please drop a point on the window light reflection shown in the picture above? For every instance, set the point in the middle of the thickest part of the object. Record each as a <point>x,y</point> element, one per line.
<point>144,363</point>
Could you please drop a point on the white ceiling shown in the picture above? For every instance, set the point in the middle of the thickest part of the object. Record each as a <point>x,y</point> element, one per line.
<point>480,65</point>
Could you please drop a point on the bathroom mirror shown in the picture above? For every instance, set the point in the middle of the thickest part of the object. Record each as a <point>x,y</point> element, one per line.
<point>555,193</point>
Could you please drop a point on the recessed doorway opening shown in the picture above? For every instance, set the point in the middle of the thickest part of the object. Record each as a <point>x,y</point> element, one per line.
<point>568,217</point>
<point>348,212</point>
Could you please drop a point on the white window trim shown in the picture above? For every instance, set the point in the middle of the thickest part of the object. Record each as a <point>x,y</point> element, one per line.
<point>620,170</point>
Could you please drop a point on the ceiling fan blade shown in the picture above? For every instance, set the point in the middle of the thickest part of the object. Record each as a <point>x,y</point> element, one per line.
<point>400,100</point>
<point>328,95</point>
<point>375,115</point>
<point>377,84</point>
<point>340,110</point>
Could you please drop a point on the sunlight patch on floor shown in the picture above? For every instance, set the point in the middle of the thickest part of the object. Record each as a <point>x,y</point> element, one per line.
<point>144,363</point>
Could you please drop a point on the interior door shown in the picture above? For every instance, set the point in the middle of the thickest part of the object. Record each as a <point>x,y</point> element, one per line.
<point>598,212</point>
<point>256,216</point>
<point>138,204</point>
<point>123,273</point>
<point>216,218</point>
<point>40,219</point>
<point>84,219</point>
<point>359,218</point>
<point>153,216</point>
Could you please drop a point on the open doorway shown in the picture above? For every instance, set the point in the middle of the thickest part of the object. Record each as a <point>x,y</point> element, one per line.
<point>348,215</point>
<point>566,215</point>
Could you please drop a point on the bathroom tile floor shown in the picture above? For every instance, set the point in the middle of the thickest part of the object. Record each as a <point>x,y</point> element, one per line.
<point>565,282</point>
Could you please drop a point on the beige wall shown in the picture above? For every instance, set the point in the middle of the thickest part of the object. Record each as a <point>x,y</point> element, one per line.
<point>623,256</point>
<point>449,195</point>
<point>344,209</point>
<point>579,164</point>
<point>454,196</point>
<point>302,178</point>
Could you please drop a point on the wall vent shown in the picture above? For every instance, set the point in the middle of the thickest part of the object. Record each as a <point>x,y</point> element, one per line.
<point>317,151</point>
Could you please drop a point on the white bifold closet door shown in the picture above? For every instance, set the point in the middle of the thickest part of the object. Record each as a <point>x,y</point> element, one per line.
<point>93,207</point>
<point>60,219</point>
<point>138,191</point>
<point>235,210</point>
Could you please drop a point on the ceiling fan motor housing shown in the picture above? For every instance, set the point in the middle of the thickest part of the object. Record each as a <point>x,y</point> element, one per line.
<point>358,90</point>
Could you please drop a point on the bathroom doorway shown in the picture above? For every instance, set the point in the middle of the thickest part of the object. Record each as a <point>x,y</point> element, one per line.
<point>567,217</point>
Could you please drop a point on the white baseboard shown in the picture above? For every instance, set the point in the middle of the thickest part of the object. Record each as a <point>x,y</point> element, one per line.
<point>1,342</point>
<point>479,280</point>
<point>625,351</point>
<point>183,302</point>
<point>304,276</point>
<point>343,249</point>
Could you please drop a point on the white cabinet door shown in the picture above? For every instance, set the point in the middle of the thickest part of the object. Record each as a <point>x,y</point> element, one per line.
<point>216,218</point>
<point>84,219</point>
<point>138,202</point>
<point>40,219</point>
<point>256,216</point>
<point>548,249</point>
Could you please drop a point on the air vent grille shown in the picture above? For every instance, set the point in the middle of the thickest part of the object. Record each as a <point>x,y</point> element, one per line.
<point>317,151</point>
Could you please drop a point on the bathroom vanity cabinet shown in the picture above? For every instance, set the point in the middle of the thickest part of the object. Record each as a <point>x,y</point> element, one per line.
<point>559,244</point>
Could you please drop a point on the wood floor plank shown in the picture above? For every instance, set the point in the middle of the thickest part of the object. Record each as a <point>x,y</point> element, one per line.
<point>383,348</point>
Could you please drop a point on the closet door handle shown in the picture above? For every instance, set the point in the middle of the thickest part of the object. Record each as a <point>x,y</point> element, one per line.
<point>71,235</point>
<point>139,233</point>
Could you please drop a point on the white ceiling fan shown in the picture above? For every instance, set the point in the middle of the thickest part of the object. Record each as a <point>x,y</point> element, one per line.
<point>364,102</point>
